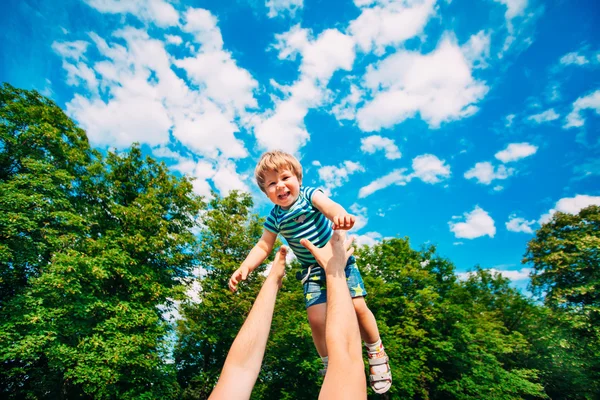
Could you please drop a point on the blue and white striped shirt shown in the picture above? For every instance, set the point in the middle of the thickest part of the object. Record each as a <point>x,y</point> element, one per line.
<point>302,221</point>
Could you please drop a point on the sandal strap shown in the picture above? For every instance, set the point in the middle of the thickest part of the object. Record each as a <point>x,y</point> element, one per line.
<point>378,361</point>
<point>386,376</point>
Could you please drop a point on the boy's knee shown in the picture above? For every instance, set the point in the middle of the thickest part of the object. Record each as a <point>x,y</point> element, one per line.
<point>360,306</point>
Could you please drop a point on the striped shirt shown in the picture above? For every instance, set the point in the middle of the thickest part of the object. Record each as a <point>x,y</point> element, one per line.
<point>302,221</point>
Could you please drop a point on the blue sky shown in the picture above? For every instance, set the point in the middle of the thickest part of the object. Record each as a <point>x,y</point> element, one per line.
<point>458,123</point>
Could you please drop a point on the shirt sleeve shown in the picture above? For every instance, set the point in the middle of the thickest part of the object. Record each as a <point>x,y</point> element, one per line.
<point>308,192</point>
<point>270,224</point>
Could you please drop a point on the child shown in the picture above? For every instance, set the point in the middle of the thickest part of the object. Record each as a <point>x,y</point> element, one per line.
<point>307,213</point>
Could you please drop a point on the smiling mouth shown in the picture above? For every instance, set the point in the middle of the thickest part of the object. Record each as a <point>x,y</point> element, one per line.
<point>284,196</point>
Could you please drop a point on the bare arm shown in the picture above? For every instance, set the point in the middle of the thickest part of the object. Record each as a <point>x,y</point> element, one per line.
<point>246,353</point>
<point>257,255</point>
<point>345,377</point>
<point>333,211</point>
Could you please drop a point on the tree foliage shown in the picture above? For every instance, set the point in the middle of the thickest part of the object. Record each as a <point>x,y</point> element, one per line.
<point>91,247</point>
<point>565,256</point>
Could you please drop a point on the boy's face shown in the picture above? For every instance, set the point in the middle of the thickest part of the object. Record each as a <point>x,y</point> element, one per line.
<point>282,187</point>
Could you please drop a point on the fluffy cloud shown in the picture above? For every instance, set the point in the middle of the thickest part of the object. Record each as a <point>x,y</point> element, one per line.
<point>396,177</point>
<point>281,7</point>
<point>477,223</point>
<point>283,128</point>
<point>514,8</point>
<point>546,116</point>
<point>516,224</point>
<point>368,239</point>
<point>407,83</point>
<point>426,167</point>
<point>374,143</point>
<point>430,169</point>
<point>516,151</point>
<point>389,23</point>
<point>361,216</point>
<point>571,205</point>
<point>334,177</point>
<point>573,58</point>
<point>485,172</point>
<point>589,102</point>
<point>159,12</point>
<point>514,275</point>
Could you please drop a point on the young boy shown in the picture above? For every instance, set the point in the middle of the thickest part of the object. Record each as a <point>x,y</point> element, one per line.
<point>307,213</point>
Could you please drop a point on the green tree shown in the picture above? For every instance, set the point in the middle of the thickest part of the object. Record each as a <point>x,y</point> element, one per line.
<point>91,248</point>
<point>445,338</point>
<point>565,255</point>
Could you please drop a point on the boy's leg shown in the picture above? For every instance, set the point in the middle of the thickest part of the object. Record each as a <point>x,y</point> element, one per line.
<point>317,315</point>
<point>366,321</point>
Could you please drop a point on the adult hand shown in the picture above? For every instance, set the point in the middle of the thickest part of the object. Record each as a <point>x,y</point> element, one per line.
<point>338,249</point>
<point>278,265</point>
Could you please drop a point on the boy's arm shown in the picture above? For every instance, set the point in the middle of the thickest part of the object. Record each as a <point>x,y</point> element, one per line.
<point>257,255</point>
<point>333,211</point>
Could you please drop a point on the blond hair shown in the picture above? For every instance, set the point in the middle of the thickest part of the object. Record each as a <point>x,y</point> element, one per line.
<point>276,160</point>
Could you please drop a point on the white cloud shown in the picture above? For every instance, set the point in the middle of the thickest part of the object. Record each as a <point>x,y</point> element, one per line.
<point>361,215</point>
<point>373,143</point>
<point>517,224</point>
<point>143,99</point>
<point>426,167</point>
<point>281,7</point>
<point>591,101</point>
<point>514,8</point>
<point>546,116</point>
<point>173,39</point>
<point>478,223</point>
<point>573,58</point>
<point>346,108</point>
<point>514,275</point>
<point>368,239</point>
<point>571,205</point>
<point>210,133</point>
<point>159,12</point>
<point>407,83</point>
<point>396,177</point>
<point>516,151</point>
<point>509,120</point>
<point>334,177</point>
<point>283,128</point>
<point>485,172</point>
<point>430,169</point>
<point>477,49</point>
<point>389,23</point>
<point>71,50</point>
<point>227,179</point>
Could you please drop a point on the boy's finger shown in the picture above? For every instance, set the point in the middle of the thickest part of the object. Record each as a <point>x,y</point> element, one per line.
<point>244,275</point>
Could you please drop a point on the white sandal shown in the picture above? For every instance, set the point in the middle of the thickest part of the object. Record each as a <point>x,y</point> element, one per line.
<point>382,377</point>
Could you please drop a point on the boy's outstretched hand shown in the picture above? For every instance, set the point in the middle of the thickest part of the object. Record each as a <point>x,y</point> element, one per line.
<point>343,221</point>
<point>239,275</point>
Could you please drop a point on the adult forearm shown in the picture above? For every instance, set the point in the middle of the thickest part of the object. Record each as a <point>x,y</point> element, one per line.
<point>245,356</point>
<point>341,332</point>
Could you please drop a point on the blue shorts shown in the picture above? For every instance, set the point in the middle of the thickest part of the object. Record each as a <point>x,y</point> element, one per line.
<point>315,287</point>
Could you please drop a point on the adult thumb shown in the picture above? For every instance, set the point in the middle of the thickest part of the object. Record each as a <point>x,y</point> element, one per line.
<point>307,243</point>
